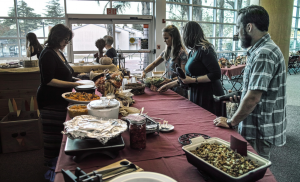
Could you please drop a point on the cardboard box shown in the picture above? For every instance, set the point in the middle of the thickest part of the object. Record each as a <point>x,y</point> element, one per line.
<point>20,133</point>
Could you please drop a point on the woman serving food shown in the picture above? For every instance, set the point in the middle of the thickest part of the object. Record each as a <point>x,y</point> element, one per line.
<point>173,54</point>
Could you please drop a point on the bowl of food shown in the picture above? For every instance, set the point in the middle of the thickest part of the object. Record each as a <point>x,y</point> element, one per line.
<point>77,110</point>
<point>80,97</point>
<point>155,82</point>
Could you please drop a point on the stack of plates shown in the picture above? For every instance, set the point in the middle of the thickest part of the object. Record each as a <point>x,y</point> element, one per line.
<point>86,82</point>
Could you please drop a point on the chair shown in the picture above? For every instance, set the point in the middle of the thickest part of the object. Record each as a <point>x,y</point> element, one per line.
<point>297,64</point>
<point>237,79</point>
<point>292,64</point>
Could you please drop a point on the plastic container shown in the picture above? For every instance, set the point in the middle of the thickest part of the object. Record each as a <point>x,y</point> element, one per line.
<point>97,110</point>
<point>137,131</point>
<point>78,111</point>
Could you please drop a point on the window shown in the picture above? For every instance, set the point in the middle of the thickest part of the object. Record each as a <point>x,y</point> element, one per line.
<point>216,17</point>
<point>31,16</point>
<point>295,32</point>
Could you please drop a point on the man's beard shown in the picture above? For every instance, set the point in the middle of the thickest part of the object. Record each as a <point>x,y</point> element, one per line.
<point>246,41</point>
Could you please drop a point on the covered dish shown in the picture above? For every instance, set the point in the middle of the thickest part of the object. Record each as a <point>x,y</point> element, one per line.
<point>86,126</point>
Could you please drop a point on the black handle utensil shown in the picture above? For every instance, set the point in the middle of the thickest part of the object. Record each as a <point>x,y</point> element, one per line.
<point>180,74</point>
<point>226,97</point>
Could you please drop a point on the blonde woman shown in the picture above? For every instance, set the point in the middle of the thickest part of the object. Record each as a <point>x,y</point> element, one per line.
<point>174,53</point>
<point>202,69</point>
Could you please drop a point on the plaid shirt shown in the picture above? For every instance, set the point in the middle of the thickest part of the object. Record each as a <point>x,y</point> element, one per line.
<point>265,70</point>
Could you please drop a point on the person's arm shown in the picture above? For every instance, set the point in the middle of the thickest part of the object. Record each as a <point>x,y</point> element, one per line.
<point>168,86</point>
<point>29,50</point>
<point>63,84</point>
<point>248,104</point>
<point>210,61</point>
<point>151,66</point>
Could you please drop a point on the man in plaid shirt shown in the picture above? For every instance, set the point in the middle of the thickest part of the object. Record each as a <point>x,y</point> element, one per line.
<point>261,116</point>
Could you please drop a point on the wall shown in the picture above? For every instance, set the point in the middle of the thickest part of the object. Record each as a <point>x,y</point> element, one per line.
<point>280,13</point>
<point>160,14</point>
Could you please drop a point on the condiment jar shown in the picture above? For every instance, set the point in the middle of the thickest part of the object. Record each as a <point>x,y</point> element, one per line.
<point>137,131</point>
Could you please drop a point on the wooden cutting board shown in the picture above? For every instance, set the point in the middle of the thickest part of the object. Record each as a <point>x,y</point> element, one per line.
<point>117,164</point>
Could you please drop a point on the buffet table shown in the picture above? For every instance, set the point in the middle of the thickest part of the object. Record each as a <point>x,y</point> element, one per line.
<point>163,153</point>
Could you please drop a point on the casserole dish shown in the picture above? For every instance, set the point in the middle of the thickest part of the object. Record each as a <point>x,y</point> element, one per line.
<point>219,175</point>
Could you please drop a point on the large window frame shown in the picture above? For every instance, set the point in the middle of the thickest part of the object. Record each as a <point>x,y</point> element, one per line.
<point>295,29</point>
<point>66,17</point>
<point>21,38</point>
<point>214,23</point>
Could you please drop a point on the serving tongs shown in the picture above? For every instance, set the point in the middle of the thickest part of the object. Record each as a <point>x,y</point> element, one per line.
<point>125,167</point>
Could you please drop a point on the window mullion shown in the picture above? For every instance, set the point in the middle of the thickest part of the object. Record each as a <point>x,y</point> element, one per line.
<point>18,30</point>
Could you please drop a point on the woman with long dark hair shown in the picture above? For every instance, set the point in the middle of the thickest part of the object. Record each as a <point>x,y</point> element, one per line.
<point>173,54</point>
<point>33,47</point>
<point>202,69</point>
<point>56,79</point>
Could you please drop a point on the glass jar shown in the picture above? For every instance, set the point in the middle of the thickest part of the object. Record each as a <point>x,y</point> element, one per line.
<point>137,131</point>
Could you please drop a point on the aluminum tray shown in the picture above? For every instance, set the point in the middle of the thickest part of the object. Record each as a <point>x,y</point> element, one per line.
<point>218,174</point>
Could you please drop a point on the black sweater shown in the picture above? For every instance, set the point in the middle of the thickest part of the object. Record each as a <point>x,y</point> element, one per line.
<point>52,67</point>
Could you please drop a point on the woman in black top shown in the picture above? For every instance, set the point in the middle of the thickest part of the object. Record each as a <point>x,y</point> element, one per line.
<point>202,69</point>
<point>56,73</point>
<point>33,47</point>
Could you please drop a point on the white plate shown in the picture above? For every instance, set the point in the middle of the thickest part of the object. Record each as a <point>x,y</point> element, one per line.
<point>74,101</point>
<point>143,177</point>
<point>169,128</point>
<point>86,82</point>
<point>126,91</point>
<point>85,86</point>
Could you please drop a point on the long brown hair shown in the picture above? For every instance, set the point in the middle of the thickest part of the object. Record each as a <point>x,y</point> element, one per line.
<point>176,42</point>
<point>57,34</point>
<point>193,36</point>
<point>33,41</point>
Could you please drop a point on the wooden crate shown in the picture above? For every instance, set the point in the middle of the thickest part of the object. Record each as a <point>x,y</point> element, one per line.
<point>31,63</point>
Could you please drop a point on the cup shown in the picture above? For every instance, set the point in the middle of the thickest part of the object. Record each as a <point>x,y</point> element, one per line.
<point>133,79</point>
<point>124,83</point>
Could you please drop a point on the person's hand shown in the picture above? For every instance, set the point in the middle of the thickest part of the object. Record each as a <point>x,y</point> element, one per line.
<point>164,88</point>
<point>188,80</point>
<point>234,99</point>
<point>221,122</point>
<point>77,84</point>
<point>143,75</point>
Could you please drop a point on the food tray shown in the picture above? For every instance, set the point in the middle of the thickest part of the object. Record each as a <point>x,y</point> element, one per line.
<point>218,174</point>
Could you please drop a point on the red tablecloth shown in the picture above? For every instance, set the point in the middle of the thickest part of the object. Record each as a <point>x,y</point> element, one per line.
<point>163,153</point>
<point>233,70</point>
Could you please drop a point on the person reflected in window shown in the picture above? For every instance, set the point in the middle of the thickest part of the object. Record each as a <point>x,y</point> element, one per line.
<point>111,52</point>
<point>33,47</point>
<point>202,69</point>
<point>100,44</point>
<point>174,53</point>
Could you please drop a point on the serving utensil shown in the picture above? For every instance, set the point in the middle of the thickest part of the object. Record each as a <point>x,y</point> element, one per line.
<point>110,96</point>
<point>125,167</point>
